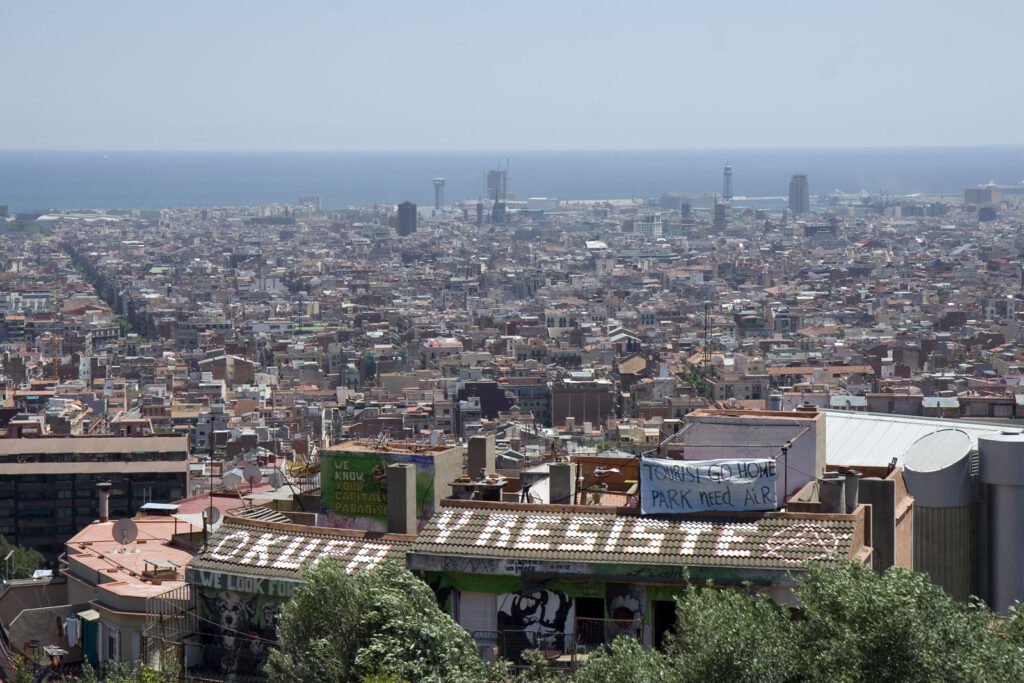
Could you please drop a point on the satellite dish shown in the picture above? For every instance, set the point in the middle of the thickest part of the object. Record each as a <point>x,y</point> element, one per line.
<point>211,515</point>
<point>276,479</point>
<point>230,481</point>
<point>125,531</point>
<point>252,474</point>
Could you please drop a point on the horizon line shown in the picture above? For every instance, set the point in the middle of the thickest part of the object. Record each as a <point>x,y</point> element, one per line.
<point>524,150</point>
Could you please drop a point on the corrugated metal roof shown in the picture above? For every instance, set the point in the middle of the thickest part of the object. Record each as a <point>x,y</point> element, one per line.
<point>580,538</point>
<point>873,439</point>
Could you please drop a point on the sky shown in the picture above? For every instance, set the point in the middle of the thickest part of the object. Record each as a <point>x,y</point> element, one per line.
<point>513,75</point>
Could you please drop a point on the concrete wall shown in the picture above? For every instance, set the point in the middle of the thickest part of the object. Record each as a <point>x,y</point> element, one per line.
<point>892,521</point>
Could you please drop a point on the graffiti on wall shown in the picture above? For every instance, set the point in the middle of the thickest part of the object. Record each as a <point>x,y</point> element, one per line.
<point>537,620</point>
<point>238,629</point>
<point>625,610</point>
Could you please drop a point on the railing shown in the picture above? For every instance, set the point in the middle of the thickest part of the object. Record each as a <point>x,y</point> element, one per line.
<point>563,649</point>
<point>170,619</point>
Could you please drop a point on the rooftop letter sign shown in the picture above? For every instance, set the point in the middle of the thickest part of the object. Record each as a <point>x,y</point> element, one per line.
<point>680,486</point>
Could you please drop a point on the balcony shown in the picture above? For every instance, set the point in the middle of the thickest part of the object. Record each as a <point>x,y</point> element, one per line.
<point>563,650</point>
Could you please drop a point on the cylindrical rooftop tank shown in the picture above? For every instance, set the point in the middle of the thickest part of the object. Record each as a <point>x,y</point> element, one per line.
<point>937,469</point>
<point>1002,472</point>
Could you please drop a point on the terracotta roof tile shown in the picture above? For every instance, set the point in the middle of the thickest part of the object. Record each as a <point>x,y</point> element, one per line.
<point>603,537</point>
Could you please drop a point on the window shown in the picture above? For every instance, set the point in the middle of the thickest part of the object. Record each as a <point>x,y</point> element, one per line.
<point>478,614</point>
<point>112,644</point>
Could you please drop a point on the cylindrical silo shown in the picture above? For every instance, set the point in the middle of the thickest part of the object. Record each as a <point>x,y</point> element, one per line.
<point>937,469</point>
<point>1002,473</point>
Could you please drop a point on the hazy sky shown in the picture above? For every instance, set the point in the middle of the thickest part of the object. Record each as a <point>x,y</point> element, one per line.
<point>560,74</point>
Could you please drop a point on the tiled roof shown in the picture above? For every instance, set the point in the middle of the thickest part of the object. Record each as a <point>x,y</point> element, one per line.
<point>568,535</point>
<point>274,550</point>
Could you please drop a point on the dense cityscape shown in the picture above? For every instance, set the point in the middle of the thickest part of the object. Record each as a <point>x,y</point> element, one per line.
<point>200,404</point>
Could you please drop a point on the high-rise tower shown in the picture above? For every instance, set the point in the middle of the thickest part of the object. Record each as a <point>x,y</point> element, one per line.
<point>799,195</point>
<point>727,183</point>
<point>406,219</point>
<point>497,185</point>
<point>438,194</point>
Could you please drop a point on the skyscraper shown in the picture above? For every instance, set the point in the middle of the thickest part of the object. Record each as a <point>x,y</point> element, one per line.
<point>406,219</point>
<point>497,185</point>
<point>438,194</point>
<point>727,183</point>
<point>721,221</point>
<point>799,195</point>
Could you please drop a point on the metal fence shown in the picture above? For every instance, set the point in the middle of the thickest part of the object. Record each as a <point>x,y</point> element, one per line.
<point>562,649</point>
<point>171,620</point>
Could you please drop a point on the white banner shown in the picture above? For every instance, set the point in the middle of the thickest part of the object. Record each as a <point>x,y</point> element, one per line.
<point>677,486</point>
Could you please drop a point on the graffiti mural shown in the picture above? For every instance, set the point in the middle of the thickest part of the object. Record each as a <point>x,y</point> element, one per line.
<point>625,610</point>
<point>538,620</point>
<point>238,629</point>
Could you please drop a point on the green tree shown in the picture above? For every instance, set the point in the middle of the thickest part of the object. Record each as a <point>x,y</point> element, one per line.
<point>898,626</point>
<point>853,626</point>
<point>715,629</point>
<point>627,661</point>
<point>380,624</point>
<point>23,562</point>
<point>123,672</point>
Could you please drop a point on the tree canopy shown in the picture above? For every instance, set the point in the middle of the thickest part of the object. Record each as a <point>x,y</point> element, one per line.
<point>379,625</point>
<point>853,626</point>
<point>23,562</point>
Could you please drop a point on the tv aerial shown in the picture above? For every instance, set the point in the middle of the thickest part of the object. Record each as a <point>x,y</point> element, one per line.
<point>125,531</point>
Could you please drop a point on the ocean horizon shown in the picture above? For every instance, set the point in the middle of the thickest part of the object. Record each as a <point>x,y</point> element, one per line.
<point>97,179</point>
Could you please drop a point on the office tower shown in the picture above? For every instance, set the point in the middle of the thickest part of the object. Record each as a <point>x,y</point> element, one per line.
<point>406,219</point>
<point>721,217</point>
<point>727,183</point>
<point>649,226</point>
<point>59,488</point>
<point>799,195</point>
<point>497,185</point>
<point>479,213</point>
<point>438,194</point>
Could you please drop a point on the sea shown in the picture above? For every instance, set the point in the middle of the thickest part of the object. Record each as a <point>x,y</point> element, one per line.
<point>67,180</point>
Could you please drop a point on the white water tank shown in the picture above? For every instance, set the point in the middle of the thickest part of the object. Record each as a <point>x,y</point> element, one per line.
<point>937,471</point>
